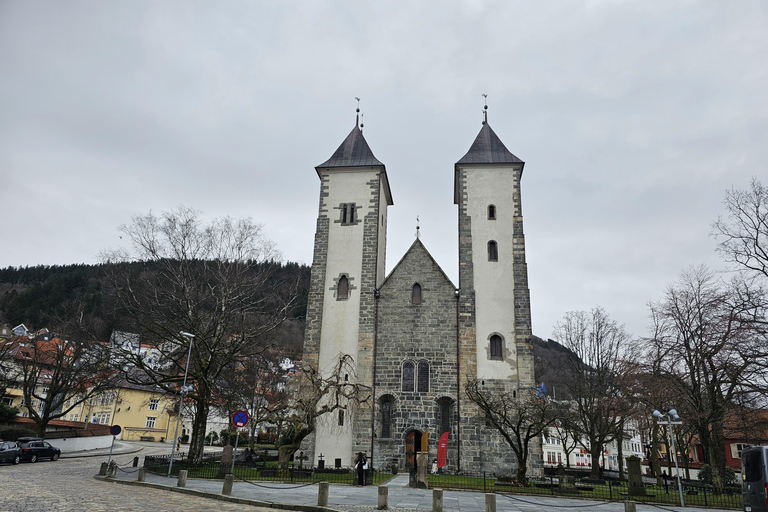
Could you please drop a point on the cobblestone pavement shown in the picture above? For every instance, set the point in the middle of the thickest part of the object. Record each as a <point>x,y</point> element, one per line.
<point>67,485</point>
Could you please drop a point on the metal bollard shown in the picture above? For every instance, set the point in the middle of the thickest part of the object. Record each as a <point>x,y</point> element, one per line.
<point>383,497</point>
<point>103,469</point>
<point>135,462</point>
<point>142,474</point>
<point>437,500</point>
<point>322,494</point>
<point>229,480</point>
<point>490,502</point>
<point>630,506</point>
<point>182,481</point>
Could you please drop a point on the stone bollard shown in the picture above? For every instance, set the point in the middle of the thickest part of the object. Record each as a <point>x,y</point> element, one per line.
<point>437,500</point>
<point>112,470</point>
<point>630,506</point>
<point>322,494</point>
<point>383,497</point>
<point>142,474</point>
<point>135,462</point>
<point>490,502</point>
<point>229,480</point>
<point>182,482</point>
<point>103,469</point>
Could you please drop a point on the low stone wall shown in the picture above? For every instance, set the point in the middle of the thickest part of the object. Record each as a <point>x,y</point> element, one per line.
<point>77,444</point>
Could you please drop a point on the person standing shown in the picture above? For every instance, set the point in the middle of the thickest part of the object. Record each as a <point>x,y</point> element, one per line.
<point>361,466</point>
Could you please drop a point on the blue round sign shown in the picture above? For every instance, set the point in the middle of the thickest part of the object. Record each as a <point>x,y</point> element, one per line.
<point>115,429</point>
<point>240,419</point>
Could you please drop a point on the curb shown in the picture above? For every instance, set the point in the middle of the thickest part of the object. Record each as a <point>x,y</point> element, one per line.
<point>220,497</point>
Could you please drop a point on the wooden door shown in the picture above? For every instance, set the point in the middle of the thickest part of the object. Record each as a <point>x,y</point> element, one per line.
<point>410,450</point>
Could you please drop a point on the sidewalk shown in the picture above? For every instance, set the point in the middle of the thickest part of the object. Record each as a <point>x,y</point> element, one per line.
<point>350,498</point>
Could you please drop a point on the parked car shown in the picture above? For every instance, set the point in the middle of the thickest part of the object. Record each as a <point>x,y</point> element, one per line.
<point>10,452</point>
<point>35,448</point>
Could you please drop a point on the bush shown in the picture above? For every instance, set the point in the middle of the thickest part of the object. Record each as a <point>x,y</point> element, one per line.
<point>185,438</point>
<point>212,437</point>
<point>224,436</point>
<point>7,412</point>
<point>705,475</point>
<point>12,433</point>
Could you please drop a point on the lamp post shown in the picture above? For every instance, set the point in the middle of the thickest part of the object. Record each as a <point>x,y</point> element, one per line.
<point>672,419</point>
<point>184,391</point>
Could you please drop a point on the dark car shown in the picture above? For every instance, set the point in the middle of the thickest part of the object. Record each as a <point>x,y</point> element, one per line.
<point>10,452</point>
<point>35,448</point>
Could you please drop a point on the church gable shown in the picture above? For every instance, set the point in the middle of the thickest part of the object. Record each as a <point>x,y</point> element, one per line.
<point>415,265</point>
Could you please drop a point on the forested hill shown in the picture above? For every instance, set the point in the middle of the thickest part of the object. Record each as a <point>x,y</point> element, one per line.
<point>39,296</point>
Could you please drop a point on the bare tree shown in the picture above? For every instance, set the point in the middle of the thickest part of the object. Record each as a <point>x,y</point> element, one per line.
<point>316,394</point>
<point>518,416</point>
<point>599,376</point>
<point>565,426</point>
<point>209,285</point>
<point>710,345</point>
<point>743,233</point>
<point>59,373</point>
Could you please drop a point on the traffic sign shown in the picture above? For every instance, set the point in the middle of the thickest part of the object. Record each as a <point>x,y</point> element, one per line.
<point>240,419</point>
<point>115,429</point>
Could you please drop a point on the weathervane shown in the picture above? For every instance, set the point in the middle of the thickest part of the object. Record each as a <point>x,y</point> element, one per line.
<point>485,108</point>
<point>417,227</point>
<point>357,111</point>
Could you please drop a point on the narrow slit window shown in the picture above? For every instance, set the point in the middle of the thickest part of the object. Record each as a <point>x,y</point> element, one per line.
<point>416,294</point>
<point>445,415</point>
<point>491,212</point>
<point>341,417</point>
<point>493,251</point>
<point>496,347</point>
<point>423,377</point>
<point>386,419</point>
<point>342,291</point>
<point>408,371</point>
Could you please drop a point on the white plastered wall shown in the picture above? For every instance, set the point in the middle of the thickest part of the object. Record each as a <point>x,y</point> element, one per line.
<point>340,321</point>
<point>494,282</point>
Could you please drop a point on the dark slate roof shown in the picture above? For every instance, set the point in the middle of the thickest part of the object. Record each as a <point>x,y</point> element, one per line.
<point>353,152</point>
<point>488,149</point>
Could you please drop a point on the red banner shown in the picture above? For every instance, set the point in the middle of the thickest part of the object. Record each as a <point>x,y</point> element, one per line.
<point>442,450</point>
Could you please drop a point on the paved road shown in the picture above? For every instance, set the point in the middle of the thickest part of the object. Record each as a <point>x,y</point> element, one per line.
<point>67,485</point>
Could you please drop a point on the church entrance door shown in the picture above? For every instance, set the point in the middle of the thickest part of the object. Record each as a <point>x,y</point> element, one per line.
<point>412,445</point>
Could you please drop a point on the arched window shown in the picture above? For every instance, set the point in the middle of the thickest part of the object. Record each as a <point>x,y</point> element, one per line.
<point>342,292</point>
<point>491,212</point>
<point>416,294</point>
<point>408,371</point>
<point>444,405</point>
<point>493,251</point>
<point>497,347</point>
<point>386,417</point>
<point>423,377</point>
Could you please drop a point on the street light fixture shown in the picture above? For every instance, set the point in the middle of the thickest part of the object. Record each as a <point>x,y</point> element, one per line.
<point>672,419</point>
<point>184,390</point>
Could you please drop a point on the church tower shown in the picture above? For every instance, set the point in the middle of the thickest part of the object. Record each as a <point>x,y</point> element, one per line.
<point>494,300</point>
<point>347,268</point>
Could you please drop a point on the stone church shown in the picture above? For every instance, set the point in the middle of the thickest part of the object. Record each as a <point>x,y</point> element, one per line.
<point>416,337</point>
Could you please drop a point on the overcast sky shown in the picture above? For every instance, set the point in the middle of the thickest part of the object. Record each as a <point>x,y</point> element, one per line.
<point>633,119</point>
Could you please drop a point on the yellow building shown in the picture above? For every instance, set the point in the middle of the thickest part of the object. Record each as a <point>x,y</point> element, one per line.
<point>145,412</point>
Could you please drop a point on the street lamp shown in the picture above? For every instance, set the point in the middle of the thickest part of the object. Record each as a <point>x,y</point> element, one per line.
<point>672,419</point>
<point>184,390</point>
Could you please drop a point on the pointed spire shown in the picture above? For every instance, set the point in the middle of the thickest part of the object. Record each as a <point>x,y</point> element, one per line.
<point>488,149</point>
<point>354,151</point>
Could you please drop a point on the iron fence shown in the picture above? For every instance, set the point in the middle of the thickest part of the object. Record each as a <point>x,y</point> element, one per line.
<point>695,494</point>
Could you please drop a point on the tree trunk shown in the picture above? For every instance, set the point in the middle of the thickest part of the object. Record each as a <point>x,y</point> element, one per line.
<point>655,466</point>
<point>596,452</point>
<point>284,455</point>
<point>619,444</point>
<point>197,441</point>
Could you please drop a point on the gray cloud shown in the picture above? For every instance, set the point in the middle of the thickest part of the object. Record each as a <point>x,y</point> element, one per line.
<point>633,119</point>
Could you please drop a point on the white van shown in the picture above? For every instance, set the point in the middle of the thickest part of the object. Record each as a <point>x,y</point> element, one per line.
<point>754,479</point>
